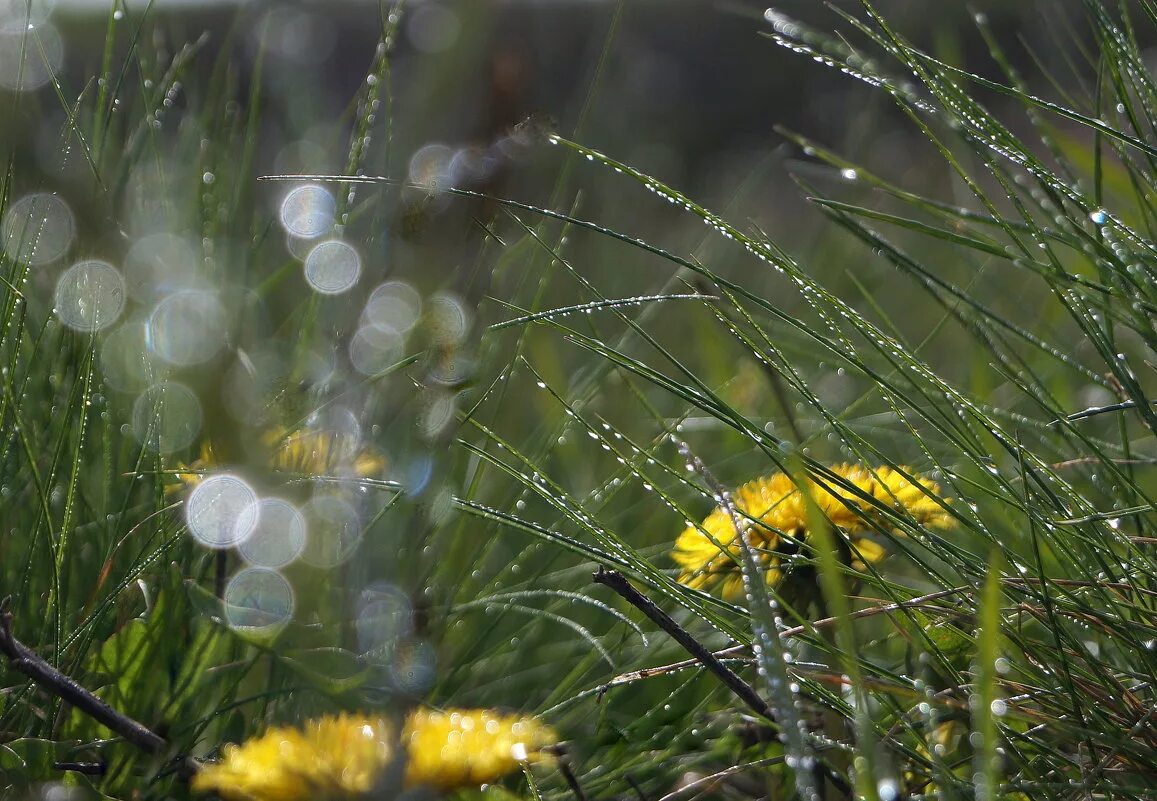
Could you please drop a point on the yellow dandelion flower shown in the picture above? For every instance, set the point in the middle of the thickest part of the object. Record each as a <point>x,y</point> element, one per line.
<point>772,507</point>
<point>306,451</point>
<point>191,479</point>
<point>891,489</point>
<point>334,757</point>
<point>775,502</point>
<point>469,747</point>
<point>320,453</point>
<point>344,756</point>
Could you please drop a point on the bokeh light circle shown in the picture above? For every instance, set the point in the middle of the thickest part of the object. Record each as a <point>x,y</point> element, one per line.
<point>438,414</point>
<point>166,417</point>
<point>29,58</point>
<point>332,267</point>
<point>221,511</point>
<point>412,666</point>
<point>187,327</point>
<point>430,167</point>
<point>432,27</point>
<point>37,229</point>
<point>338,428</point>
<point>394,305</point>
<point>383,619</point>
<point>373,349</point>
<point>451,366</point>
<point>279,536</point>
<point>17,16</point>
<point>448,319</point>
<point>471,165</point>
<point>90,295</point>
<point>307,211</point>
<point>125,360</point>
<point>415,474</point>
<point>439,504</point>
<point>291,32</point>
<point>258,600</point>
<point>158,264</point>
<point>334,531</point>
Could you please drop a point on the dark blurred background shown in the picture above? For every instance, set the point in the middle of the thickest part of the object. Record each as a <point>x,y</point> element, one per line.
<point>687,90</point>
<point>694,93</point>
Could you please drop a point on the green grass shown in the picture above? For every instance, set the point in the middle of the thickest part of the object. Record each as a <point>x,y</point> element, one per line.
<point>624,353</point>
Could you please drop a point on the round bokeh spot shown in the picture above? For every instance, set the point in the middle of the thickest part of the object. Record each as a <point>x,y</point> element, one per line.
<point>437,414</point>
<point>221,511</point>
<point>158,264</point>
<point>90,295</point>
<point>383,620</point>
<point>332,267</point>
<point>394,306</point>
<point>307,211</point>
<point>166,417</point>
<point>187,327</point>
<point>279,536</point>
<point>258,601</point>
<point>335,531</point>
<point>17,16</point>
<point>433,28</point>
<point>125,359</point>
<point>448,319</point>
<point>37,229</point>
<point>430,167</point>
<point>373,349</point>
<point>30,57</point>
<point>412,666</point>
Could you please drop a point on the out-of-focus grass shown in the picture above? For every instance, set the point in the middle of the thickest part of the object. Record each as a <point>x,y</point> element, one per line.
<point>535,420</point>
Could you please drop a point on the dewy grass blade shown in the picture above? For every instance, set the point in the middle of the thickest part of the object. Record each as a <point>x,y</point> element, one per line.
<point>836,600</point>
<point>986,707</point>
<point>771,651</point>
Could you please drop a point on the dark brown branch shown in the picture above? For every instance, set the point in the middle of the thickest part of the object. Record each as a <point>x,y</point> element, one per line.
<point>618,582</point>
<point>740,651</point>
<point>24,660</point>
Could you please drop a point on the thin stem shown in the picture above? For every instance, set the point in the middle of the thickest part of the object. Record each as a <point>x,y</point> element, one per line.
<point>571,780</point>
<point>618,582</point>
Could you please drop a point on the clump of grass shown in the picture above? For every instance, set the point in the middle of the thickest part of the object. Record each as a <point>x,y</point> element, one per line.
<point>1037,687</point>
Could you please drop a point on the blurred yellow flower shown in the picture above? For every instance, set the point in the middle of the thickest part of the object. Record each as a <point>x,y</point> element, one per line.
<point>469,747</point>
<point>306,451</point>
<point>774,513</point>
<point>333,757</point>
<point>321,452</point>
<point>343,756</point>
<point>190,480</point>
